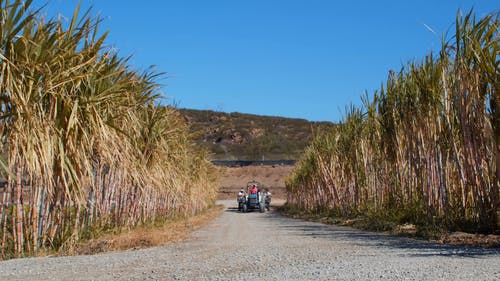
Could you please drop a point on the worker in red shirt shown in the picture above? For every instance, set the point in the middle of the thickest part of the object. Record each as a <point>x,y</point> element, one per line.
<point>254,189</point>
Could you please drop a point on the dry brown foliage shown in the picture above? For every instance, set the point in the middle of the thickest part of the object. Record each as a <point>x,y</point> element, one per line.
<point>144,237</point>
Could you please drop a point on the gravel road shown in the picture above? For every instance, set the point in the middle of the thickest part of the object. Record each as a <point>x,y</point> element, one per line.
<point>257,246</point>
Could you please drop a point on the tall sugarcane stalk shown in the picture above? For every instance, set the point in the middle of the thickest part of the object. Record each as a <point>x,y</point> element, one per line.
<point>86,133</point>
<point>426,144</point>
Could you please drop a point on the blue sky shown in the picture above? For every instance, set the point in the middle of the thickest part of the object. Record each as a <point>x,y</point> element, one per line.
<point>294,58</point>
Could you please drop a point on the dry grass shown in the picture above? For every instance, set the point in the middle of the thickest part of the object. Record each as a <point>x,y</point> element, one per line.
<point>144,237</point>
<point>471,240</point>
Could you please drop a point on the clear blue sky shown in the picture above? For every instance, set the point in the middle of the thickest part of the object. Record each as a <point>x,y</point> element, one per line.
<point>295,58</point>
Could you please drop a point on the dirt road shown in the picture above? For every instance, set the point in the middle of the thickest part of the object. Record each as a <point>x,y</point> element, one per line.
<point>257,246</point>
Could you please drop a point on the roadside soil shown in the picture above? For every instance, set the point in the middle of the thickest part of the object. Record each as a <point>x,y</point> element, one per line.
<point>272,177</point>
<point>147,236</point>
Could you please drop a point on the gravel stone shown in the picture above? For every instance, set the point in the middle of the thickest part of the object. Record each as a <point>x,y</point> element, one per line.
<point>267,246</point>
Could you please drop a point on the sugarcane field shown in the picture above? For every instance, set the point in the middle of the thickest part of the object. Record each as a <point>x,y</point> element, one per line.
<point>201,141</point>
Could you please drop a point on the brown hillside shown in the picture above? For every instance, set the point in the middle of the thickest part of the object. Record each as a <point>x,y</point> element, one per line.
<point>238,136</point>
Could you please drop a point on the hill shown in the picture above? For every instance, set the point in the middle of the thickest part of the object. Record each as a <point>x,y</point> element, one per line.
<point>239,136</point>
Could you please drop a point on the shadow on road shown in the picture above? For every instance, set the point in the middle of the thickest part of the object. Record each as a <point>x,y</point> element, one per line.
<point>232,210</point>
<point>420,248</point>
<point>235,210</point>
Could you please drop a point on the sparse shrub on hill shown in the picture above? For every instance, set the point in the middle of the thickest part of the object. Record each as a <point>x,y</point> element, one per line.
<point>84,145</point>
<point>426,146</point>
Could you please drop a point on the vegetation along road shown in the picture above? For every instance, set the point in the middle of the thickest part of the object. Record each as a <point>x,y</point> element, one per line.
<point>256,246</point>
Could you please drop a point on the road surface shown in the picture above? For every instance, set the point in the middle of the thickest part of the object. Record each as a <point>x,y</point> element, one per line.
<point>256,246</point>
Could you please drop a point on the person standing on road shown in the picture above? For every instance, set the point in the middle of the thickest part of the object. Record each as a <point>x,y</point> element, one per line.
<point>241,194</point>
<point>267,198</point>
